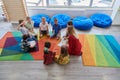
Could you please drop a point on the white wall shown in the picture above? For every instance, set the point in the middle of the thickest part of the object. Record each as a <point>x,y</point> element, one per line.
<point>115,8</point>
<point>116,20</point>
<point>70,11</point>
<point>116,13</point>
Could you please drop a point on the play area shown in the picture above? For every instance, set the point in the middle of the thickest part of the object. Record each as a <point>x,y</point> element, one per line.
<point>59,39</point>
<point>98,50</point>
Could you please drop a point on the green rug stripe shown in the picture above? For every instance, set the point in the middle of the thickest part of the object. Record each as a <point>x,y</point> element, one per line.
<point>100,58</point>
<point>17,33</point>
<point>6,52</point>
<point>103,41</point>
<point>27,56</point>
<point>13,57</point>
<point>109,58</point>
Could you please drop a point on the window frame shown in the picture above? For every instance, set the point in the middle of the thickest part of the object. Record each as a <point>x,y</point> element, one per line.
<point>69,5</point>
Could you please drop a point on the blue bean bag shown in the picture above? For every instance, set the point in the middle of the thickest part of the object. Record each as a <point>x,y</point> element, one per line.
<point>62,19</point>
<point>82,23</point>
<point>37,19</point>
<point>101,20</point>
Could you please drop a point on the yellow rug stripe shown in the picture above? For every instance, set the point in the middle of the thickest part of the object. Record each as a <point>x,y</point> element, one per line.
<point>0,51</point>
<point>91,42</point>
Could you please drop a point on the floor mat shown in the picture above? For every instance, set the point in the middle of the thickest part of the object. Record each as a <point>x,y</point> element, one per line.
<point>10,48</point>
<point>100,50</point>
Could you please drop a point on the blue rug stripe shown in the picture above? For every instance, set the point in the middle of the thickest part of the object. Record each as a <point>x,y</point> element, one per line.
<point>103,41</point>
<point>114,45</point>
<point>117,38</point>
<point>18,39</point>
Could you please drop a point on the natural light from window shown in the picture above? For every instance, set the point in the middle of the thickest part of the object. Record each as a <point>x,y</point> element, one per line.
<point>70,3</point>
<point>80,2</point>
<point>58,2</point>
<point>102,3</point>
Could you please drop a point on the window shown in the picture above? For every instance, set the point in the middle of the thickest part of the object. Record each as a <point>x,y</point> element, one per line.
<point>58,2</point>
<point>36,2</point>
<point>80,2</point>
<point>102,3</point>
<point>70,3</point>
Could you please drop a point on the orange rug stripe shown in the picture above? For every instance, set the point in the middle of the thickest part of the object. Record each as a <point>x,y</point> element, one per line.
<point>81,39</point>
<point>87,54</point>
<point>2,41</point>
<point>39,54</point>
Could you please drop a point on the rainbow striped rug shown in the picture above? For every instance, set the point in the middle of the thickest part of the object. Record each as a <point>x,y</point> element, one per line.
<point>100,50</point>
<point>10,48</point>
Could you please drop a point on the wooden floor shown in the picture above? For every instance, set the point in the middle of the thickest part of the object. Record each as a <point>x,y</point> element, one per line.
<point>75,70</point>
<point>35,70</point>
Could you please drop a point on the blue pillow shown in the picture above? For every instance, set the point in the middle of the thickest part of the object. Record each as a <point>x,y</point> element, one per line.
<point>101,20</point>
<point>82,23</point>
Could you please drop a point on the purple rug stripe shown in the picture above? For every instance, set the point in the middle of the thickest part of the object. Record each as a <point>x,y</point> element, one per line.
<point>10,41</point>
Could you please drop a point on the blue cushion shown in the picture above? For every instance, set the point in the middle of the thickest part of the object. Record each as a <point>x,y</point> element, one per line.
<point>82,23</point>
<point>101,20</point>
<point>62,19</point>
<point>37,19</point>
